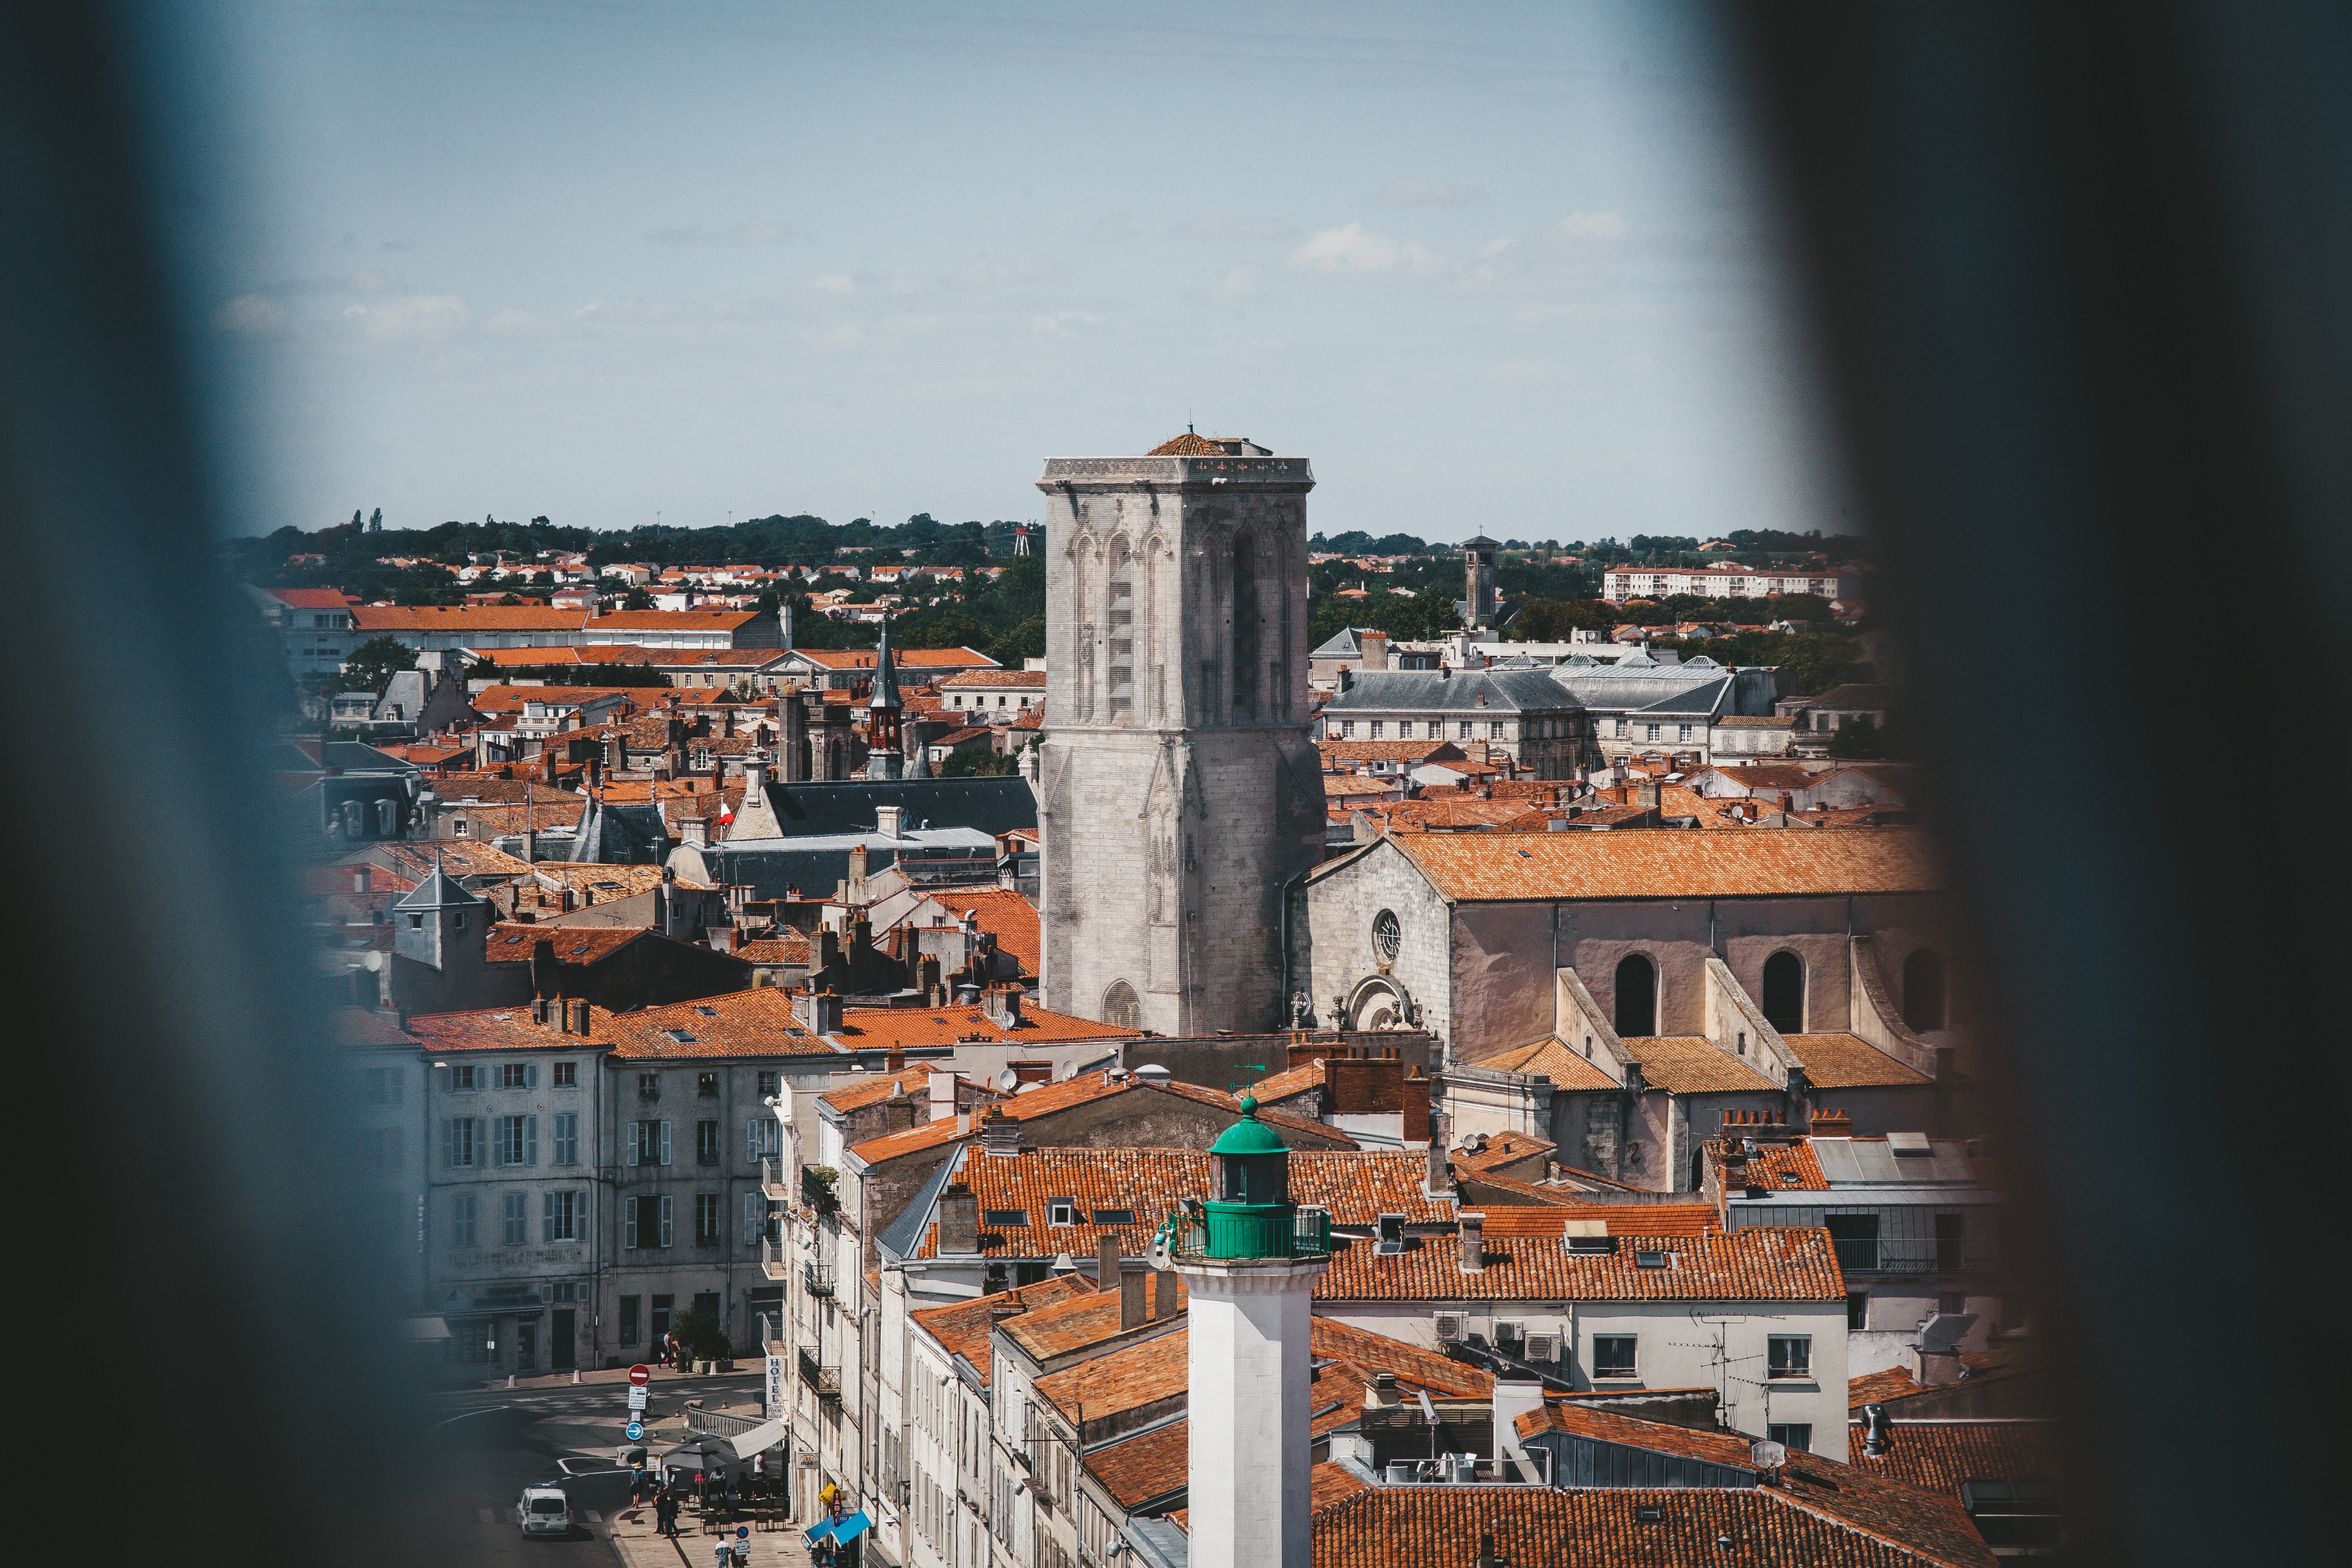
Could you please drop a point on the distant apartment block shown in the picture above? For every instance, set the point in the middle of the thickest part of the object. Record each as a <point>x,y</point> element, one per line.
<point>1620,583</point>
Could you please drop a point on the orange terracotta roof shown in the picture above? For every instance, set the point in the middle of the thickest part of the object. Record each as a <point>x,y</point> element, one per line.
<point>1139,1469</point>
<point>1896,1384</point>
<point>1187,445</point>
<point>1281,1086</point>
<point>311,598</point>
<point>941,659</point>
<point>1134,1378</point>
<point>1501,1149</point>
<point>512,943</point>
<point>1821,1524</point>
<point>1028,680</point>
<point>1849,1061</point>
<point>675,620</point>
<point>1144,1187</point>
<point>1550,1058</point>
<point>1937,1456</point>
<point>1692,1064</point>
<point>907,1029</point>
<point>1791,1167</point>
<point>464,621</point>
<point>1548,1223</point>
<point>1081,1320</point>
<point>1004,915</point>
<point>786,946</point>
<point>1480,866</point>
<point>1759,1263</point>
<point>1415,1368</point>
<point>857,1096</point>
<point>962,1328</point>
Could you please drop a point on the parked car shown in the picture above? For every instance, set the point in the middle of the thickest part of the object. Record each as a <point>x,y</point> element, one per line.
<point>543,1510</point>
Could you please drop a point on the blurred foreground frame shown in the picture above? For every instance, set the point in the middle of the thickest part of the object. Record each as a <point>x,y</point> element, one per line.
<point>206,1351</point>
<point>2081,278</point>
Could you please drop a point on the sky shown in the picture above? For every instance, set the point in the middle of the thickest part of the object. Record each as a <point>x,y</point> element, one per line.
<point>1506,268</point>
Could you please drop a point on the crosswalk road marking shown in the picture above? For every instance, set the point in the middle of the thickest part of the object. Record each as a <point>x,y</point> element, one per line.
<point>487,1517</point>
<point>596,1518</point>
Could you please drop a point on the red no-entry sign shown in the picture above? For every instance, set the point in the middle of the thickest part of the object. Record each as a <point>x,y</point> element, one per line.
<point>639,1376</point>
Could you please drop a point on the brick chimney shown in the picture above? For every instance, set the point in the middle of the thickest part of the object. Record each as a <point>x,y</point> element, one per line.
<point>1415,1104</point>
<point>999,1134</point>
<point>1003,1005</point>
<point>1375,646</point>
<point>1833,1124</point>
<point>580,1016</point>
<point>1106,1269</point>
<point>1133,1311</point>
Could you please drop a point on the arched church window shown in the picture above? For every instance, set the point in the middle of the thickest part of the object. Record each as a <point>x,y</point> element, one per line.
<point>1637,997</point>
<point>1246,631</point>
<point>1923,990</point>
<point>1387,936</point>
<point>1784,992</point>
<point>1121,1008</point>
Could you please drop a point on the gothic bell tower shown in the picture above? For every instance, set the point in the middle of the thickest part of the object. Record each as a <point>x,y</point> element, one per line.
<point>1177,785</point>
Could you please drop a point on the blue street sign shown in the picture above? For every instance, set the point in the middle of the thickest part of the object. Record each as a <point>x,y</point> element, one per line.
<point>636,1430</point>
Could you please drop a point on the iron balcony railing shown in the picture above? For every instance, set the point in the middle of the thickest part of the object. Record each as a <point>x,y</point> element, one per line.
<point>816,1188</point>
<point>772,1261</point>
<point>771,1179</point>
<point>1924,1255</point>
<point>817,1277</point>
<point>1299,1233</point>
<point>826,1380</point>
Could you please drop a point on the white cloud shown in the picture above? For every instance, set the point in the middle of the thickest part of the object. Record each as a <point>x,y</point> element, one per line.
<point>751,232</point>
<point>1591,226</point>
<point>989,274</point>
<point>1061,323</point>
<point>1352,251</point>
<point>513,323</point>
<point>251,316</point>
<point>1233,228</point>
<point>1426,193</point>
<point>1240,283</point>
<point>414,318</point>
<point>1495,248</point>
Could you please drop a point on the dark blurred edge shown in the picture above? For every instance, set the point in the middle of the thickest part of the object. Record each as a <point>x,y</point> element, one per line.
<point>2080,277</point>
<point>199,1324</point>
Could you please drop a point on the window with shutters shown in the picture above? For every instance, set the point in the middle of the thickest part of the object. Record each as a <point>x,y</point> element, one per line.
<point>560,1214</point>
<point>461,1219</point>
<point>514,1228</point>
<point>515,1075</point>
<point>564,1147</point>
<point>763,1138</point>
<point>460,1143</point>
<point>629,1216</point>
<point>649,1143</point>
<point>465,1077</point>
<point>665,1208</point>
<point>565,1075</point>
<point>706,1142</point>
<point>517,1140</point>
<point>706,1084</point>
<point>706,1219</point>
<point>770,1083</point>
<point>755,1217</point>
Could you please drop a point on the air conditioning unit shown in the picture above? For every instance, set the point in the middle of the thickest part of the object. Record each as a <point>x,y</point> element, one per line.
<point>1508,1331</point>
<point>1543,1347</point>
<point>1449,1328</point>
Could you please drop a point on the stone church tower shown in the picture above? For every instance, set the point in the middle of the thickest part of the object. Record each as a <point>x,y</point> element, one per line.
<point>1176,785</point>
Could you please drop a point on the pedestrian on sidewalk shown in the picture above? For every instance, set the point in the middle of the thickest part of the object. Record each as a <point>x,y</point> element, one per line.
<point>666,1513</point>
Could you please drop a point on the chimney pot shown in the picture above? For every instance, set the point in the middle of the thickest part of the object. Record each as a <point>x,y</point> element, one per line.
<point>1474,1241</point>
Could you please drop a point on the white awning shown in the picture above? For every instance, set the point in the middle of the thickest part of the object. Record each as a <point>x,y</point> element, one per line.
<point>759,1439</point>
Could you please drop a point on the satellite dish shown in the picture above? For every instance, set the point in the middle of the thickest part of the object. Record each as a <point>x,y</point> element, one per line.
<point>1767,1456</point>
<point>1941,1334</point>
<point>1007,1079</point>
<point>1069,1071</point>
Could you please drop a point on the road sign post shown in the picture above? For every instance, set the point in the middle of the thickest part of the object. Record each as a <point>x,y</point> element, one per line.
<point>636,1430</point>
<point>640,1374</point>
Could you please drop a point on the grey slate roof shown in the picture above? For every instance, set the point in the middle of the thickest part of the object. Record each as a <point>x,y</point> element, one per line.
<point>993,805</point>
<point>1636,682</point>
<point>1343,646</point>
<point>903,1235</point>
<point>1699,699</point>
<point>439,891</point>
<point>815,862</point>
<point>632,834</point>
<point>1452,691</point>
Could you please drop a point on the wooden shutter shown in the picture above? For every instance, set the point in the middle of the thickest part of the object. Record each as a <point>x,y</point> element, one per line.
<point>629,1221</point>
<point>448,1143</point>
<point>752,1141</point>
<point>531,1138</point>
<point>530,1075</point>
<point>665,1158</point>
<point>666,1205</point>
<point>753,1204</point>
<point>636,1138</point>
<point>547,1218</point>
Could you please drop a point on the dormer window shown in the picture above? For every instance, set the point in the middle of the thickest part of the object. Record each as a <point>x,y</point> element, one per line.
<point>1061,1211</point>
<point>1390,1237</point>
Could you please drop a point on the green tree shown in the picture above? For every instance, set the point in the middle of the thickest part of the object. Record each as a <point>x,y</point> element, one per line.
<point>1552,620</point>
<point>638,599</point>
<point>699,1333</point>
<point>375,521</point>
<point>1023,640</point>
<point>1858,738</point>
<point>975,763</point>
<point>371,664</point>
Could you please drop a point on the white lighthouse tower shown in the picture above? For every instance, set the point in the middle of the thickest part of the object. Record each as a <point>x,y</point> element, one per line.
<point>1250,1259</point>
